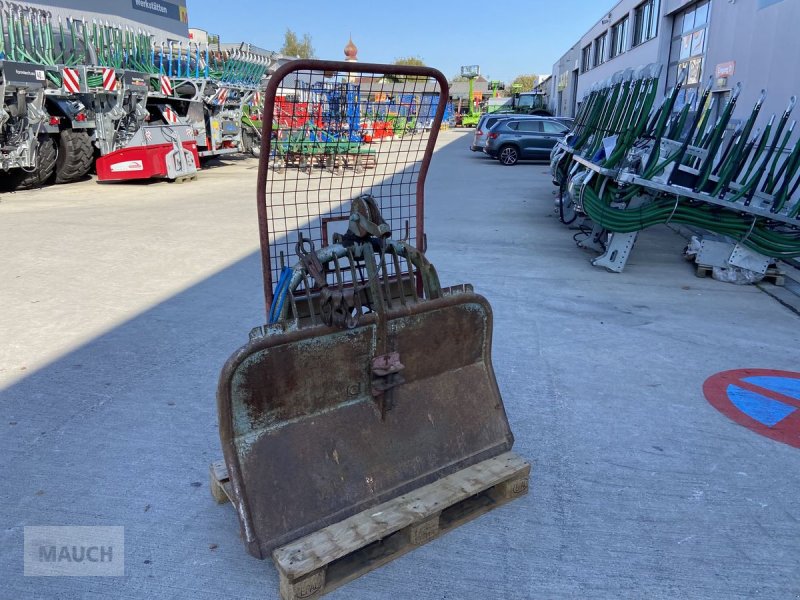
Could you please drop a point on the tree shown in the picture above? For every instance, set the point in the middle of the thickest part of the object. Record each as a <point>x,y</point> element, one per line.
<point>408,61</point>
<point>411,61</point>
<point>526,81</point>
<point>292,46</point>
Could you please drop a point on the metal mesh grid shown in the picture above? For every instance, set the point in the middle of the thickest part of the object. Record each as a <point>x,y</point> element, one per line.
<point>340,130</point>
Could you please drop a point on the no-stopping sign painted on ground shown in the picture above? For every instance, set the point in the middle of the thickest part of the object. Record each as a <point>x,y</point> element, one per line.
<point>764,400</point>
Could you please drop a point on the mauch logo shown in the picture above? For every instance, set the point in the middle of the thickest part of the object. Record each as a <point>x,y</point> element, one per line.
<point>74,551</point>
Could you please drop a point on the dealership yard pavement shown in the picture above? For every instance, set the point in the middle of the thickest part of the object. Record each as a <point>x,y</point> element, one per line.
<point>120,304</point>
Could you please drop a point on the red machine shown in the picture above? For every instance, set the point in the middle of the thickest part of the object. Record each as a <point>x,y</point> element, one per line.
<point>163,152</point>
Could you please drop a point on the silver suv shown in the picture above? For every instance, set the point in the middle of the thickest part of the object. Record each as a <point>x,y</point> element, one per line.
<point>485,123</point>
<point>511,140</point>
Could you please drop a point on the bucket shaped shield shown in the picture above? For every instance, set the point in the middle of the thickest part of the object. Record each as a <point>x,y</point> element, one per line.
<point>305,441</point>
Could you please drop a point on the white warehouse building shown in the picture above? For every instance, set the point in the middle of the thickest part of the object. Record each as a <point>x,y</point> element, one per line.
<point>754,42</point>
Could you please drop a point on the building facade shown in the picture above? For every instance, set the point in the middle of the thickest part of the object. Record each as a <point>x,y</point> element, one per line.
<point>564,83</point>
<point>723,41</point>
<point>167,20</point>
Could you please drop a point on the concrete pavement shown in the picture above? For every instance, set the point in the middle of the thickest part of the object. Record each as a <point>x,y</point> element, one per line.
<point>121,303</point>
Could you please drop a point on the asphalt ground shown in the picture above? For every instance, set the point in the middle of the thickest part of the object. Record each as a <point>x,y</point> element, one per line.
<point>121,303</point>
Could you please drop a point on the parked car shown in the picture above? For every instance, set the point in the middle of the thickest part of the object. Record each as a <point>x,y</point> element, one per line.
<point>512,140</point>
<point>486,122</point>
<point>568,121</point>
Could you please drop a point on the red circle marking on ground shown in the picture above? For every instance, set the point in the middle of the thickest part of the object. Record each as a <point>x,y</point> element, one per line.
<point>717,391</point>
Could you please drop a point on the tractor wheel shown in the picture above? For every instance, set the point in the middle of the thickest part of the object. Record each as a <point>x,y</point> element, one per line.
<point>75,155</point>
<point>508,155</point>
<point>247,142</point>
<point>256,149</point>
<point>250,143</point>
<point>41,174</point>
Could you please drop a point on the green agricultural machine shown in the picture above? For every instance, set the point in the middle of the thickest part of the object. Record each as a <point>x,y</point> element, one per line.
<point>529,103</point>
<point>471,117</point>
<point>209,92</point>
<point>73,92</point>
<point>77,95</point>
<point>526,103</point>
<point>631,163</point>
<point>45,127</point>
<point>251,127</point>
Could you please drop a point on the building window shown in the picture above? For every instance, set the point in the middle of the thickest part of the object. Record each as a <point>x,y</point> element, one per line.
<point>586,55</point>
<point>688,48</point>
<point>619,37</point>
<point>646,21</point>
<point>600,49</point>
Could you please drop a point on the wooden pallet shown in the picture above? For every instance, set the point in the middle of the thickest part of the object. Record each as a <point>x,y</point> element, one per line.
<point>335,555</point>
<point>773,275</point>
<point>185,178</point>
<point>220,482</point>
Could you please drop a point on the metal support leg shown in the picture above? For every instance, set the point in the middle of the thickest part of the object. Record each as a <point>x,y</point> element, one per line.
<point>619,245</point>
<point>595,239</point>
<point>617,251</point>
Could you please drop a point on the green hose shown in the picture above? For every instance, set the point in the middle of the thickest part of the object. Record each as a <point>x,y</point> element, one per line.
<point>757,163</point>
<point>664,210</point>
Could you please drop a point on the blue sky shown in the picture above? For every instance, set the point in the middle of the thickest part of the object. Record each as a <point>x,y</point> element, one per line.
<point>505,38</point>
